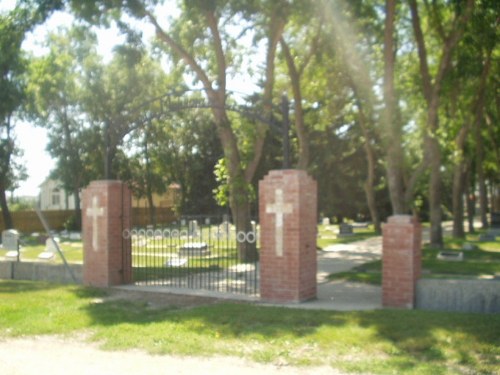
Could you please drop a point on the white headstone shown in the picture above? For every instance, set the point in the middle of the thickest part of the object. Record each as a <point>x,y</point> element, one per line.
<point>10,239</point>
<point>193,228</point>
<point>326,221</point>
<point>50,246</point>
<point>75,236</point>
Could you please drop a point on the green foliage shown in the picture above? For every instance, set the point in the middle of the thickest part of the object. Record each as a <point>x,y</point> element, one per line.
<point>221,192</point>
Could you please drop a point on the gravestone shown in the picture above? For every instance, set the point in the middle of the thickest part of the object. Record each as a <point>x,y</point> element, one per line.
<point>10,242</point>
<point>225,228</point>
<point>487,237</point>
<point>194,249</point>
<point>50,246</point>
<point>495,224</point>
<point>453,256</point>
<point>50,250</point>
<point>345,230</point>
<point>193,228</point>
<point>75,236</point>
<point>254,226</point>
<point>325,221</point>
<point>207,221</point>
<point>495,220</point>
<point>469,247</point>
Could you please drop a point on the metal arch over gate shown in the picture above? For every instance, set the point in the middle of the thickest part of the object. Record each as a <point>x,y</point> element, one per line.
<point>173,102</point>
<point>195,253</point>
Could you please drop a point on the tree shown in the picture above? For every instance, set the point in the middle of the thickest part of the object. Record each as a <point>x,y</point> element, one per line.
<point>305,39</point>
<point>55,88</point>
<point>199,38</point>
<point>431,89</point>
<point>13,27</point>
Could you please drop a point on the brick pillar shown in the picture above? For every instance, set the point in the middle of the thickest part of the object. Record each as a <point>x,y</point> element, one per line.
<point>401,261</point>
<point>106,212</point>
<point>288,209</point>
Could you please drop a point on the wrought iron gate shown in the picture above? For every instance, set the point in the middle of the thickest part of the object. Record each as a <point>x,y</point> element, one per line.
<point>194,252</point>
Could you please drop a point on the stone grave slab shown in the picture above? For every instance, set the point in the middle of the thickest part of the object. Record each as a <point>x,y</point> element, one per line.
<point>453,256</point>
<point>194,249</point>
<point>469,247</point>
<point>487,237</point>
<point>176,262</point>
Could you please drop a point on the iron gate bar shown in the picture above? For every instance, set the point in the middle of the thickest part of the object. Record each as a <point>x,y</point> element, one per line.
<point>169,260</point>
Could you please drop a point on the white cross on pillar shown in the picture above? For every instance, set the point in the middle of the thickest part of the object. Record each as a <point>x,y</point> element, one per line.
<point>95,211</point>
<point>279,208</point>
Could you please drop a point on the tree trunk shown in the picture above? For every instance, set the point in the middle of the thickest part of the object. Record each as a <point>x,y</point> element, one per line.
<point>469,196</point>
<point>458,203</point>
<point>370,175</point>
<point>458,185</point>
<point>483,194</point>
<point>78,209</point>
<point>300,127</point>
<point>7,217</point>
<point>392,132</point>
<point>435,194</point>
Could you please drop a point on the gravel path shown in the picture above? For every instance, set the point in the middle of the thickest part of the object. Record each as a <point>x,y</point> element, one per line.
<point>55,355</point>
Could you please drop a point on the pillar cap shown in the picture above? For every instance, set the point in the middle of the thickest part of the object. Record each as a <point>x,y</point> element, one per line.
<point>402,219</point>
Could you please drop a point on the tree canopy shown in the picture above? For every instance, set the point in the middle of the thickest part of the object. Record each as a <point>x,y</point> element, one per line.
<point>394,104</point>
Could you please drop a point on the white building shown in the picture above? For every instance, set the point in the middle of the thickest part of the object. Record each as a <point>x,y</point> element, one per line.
<point>54,197</point>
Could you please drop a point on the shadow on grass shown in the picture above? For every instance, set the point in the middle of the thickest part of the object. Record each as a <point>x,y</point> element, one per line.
<point>419,336</point>
<point>405,338</point>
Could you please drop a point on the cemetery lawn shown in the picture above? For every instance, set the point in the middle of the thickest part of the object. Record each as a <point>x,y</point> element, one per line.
<point>483,262</point>
<point>379,342</point>
<point>326,235</point>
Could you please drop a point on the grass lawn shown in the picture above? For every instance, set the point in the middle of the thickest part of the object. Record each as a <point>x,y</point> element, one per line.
<point>483,262</point>
<point>380,342</point>
<point>326,235</point>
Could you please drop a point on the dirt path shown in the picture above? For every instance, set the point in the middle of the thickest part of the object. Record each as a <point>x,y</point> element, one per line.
<point>55,355</point>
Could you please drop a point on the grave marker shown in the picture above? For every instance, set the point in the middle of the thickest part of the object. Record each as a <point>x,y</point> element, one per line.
<point>345,230</point>
<point>10,242</point>
<point>193,228</point>
<point>50,249</point>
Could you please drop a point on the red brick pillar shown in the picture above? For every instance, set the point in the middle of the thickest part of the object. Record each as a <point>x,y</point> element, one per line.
<point>287,210</point>
<point>106,209</point>
<point>401,261</point>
